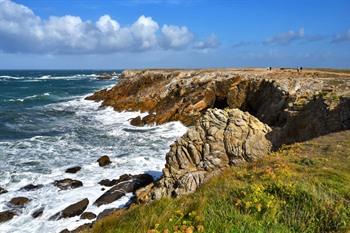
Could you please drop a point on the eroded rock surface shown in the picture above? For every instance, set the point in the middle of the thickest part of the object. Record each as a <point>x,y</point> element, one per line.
<point>220,138</point>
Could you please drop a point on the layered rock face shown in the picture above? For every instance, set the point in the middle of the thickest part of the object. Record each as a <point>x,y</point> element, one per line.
<point>234,115</point>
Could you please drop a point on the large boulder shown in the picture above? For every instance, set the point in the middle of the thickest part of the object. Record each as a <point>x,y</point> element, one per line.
<point>6,215</point>
<point>68,184</point>
<point>219,139</point>
<point>125,184</point>
<point>73,210</point>
<point>19,201</point>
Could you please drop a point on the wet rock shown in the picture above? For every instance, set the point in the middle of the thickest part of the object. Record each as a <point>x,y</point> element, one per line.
<point>107,182</point>
<point>107,212</point>
<point>2,190</point>
<point>68,184</point>
<point>104,161</point>
<point>82,228</point>
<point>73,169</point>
<point>19,201</point>
<point>37,213</point>
<point>65,231</point>
<point>6,215</point>
<point>137,121</point>
<point>31,187</point>
<point>88,215</point>
<point>125,184</point>
<point>72,210</point>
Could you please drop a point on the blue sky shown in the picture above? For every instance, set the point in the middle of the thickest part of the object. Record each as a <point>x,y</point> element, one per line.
<point>110,34</point>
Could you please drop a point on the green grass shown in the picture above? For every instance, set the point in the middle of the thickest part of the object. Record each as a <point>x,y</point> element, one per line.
<point>304,187</point>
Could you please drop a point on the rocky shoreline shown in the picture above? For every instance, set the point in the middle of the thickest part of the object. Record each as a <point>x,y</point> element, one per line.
<point>234,115</point>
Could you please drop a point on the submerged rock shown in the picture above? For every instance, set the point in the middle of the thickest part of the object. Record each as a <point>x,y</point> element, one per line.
<point>104,161</point>
<point>88,215</point>
<point>19,201</point>
<point>73,210</point>
<point>37,213</point>
<point>125,184</point>
<point>68,184</point>
<point>2,190</point>
<point>6,215</point>
<point>73,169</point>
<point>31,187</point>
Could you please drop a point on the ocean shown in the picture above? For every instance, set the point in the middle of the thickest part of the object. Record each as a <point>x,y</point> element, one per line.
<point>46,126</point>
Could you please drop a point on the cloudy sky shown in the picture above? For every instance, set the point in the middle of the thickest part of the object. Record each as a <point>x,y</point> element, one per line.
<point>111,34</point>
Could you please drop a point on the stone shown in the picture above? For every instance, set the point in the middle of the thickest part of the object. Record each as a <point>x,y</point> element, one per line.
<point>19,201</point>
<point>2,190</point>
<point>31,187</point>
<point>68,184</point>
<point>37,213</point>
<point>6,216</point>
<point>88,215</point>
<point>73,210</point>
<point>103,161</point>
<point>107,212</point>
<point>73,169</point>
<point>125,184</point>
<point>137,121</point>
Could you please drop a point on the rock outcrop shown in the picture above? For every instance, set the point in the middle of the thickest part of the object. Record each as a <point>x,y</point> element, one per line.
<point>220,138</point>
<point>234,115</point>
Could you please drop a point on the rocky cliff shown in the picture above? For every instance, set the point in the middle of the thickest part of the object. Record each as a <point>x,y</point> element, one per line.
<point>234,115</point>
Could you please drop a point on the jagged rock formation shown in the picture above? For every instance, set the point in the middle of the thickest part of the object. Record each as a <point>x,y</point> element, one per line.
<point>281,107</point>
<point>219,139</point>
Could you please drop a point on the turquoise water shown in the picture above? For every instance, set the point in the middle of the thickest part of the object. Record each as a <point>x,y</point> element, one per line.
<point>46,126</point>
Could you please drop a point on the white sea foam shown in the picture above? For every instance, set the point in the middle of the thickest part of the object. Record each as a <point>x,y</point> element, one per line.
<point>92,132</point>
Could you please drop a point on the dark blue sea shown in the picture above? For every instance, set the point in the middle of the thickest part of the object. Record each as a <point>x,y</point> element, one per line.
<point>46,126</point>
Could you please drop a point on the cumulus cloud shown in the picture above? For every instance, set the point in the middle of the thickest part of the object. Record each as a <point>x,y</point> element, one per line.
<point>176,37</point>
<point>342,37</point>
<point>21,31</point>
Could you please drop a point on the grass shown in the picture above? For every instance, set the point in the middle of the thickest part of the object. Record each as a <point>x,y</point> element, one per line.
<point>304,187</point>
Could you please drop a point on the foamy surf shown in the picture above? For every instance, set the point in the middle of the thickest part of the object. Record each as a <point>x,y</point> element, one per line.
<point>89,132</point>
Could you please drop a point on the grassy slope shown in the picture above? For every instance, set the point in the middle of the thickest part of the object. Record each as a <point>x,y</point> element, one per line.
<point>302,188</point>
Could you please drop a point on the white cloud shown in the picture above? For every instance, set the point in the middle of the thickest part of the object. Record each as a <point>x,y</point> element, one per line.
<point>210,43</point>
<point>286,37</point>
<point>176,37</point>
<point>21,31</point>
